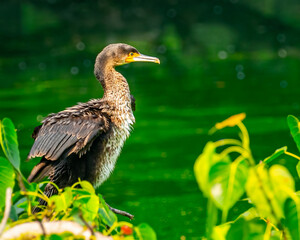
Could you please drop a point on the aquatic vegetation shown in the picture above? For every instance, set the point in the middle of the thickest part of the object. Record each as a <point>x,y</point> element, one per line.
<point>226,173</point>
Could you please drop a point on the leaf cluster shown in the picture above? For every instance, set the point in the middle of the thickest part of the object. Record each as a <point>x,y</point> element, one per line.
<point>78,203</point>
<point>226,173</point>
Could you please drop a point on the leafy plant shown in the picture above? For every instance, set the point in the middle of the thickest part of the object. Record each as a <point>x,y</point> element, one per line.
<point>78,206</point>
<point>226,173</point>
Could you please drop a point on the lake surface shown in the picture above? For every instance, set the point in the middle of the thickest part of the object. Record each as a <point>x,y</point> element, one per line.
<point>177,102</point>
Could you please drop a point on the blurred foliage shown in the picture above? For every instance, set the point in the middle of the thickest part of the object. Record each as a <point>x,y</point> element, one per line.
<point>78,203</point>
<point>200,26</point>
<point>226,173</point>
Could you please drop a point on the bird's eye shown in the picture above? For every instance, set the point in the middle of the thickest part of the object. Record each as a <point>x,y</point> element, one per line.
<point>131,54</point>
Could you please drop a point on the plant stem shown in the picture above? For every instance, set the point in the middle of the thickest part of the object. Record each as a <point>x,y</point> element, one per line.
<point>237,149</point>
<point>211,218</point>
<point>86,224</point>
<point>245,135</point>
<point>268,231</point>
<point>292,155</point>
<point>224,142</point>
<point>120,212</point>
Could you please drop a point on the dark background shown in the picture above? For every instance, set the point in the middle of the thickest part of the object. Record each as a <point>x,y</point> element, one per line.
<point>218,58</point>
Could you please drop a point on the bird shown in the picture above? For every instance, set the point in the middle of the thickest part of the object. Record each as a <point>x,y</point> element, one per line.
<point>84,141</point>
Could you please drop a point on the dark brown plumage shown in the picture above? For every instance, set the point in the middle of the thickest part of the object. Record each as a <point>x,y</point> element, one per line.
<point>85,140</point>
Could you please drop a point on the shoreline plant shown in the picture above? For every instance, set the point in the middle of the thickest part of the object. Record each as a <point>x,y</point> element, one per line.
<point>226,173</point>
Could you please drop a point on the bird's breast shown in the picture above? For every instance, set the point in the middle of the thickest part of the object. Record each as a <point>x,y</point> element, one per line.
<point>112,146</point>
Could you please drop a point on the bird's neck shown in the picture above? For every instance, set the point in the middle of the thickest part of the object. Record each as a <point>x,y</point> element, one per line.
<point>115,86</point>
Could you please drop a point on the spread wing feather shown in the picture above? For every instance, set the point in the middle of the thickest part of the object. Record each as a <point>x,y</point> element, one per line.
<point>64,134</point>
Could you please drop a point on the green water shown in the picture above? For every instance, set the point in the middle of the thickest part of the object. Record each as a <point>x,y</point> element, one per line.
<point>176,105</point>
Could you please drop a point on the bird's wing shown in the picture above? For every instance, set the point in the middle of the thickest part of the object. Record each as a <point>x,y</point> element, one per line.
<point>40,171</point>
<point>63,134</point>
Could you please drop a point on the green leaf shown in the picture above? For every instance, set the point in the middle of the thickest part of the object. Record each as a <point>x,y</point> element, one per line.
<point>145,232</point>
<point>292,217</point>
<point>80,192</point>
<point>9,142</point>
<point>261,194</point>
<point>87,187</point>
<point>203,165</point>
<point>248,226</point>
<point>298,169</point>
<point>7,179</point>
<point>62,201</point>
<point>282,183</point>
<point>55,237</point>
<point>250,214</point>
<point>33,187</point>
<point>294,126</point>
<point>67,196</point>
<point>13,215</point>
<point>251,229</point>
<point>220,232</point>
<point>23,203</point>
<point>275,155</point>
<point>106,215</point>
<point>89,206</point>
<point>57,201</point>
<point>268,190</point>
<point>284,158</point>
<point>92,206</point>
<point>227,183</point>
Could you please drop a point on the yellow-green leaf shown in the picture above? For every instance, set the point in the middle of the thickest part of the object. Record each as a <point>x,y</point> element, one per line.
<point>249,229</point>
<point>227,183</point>
<point>9,142</point>
<point>87,187</point>
<point>145,232</point>
<point>298,169</point>
<point>292,217</point>
<point>107,216</point>
<point>276,154</point>
<point>91,208</point>
<point>282,183</point>
<point>7,179</point>
<point>294,126</point>
<point>202,167</point>
<point>220,232</point>
<point>62,201</point>
<point>203,164</point>
<point>260,191</point>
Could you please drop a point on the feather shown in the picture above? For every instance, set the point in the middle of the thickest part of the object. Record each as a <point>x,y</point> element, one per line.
<point>35,171</point>
<point>61,132</point>
<point>55,142</point>
<point>61,146</point>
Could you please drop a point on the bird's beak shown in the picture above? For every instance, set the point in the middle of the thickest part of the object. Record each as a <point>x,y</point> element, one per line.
<point>137,57</point>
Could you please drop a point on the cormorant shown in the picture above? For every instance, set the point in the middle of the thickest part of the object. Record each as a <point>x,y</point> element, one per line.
<point>84,141</point>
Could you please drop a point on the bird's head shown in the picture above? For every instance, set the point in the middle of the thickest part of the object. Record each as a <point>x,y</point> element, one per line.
<point>120,53</point>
